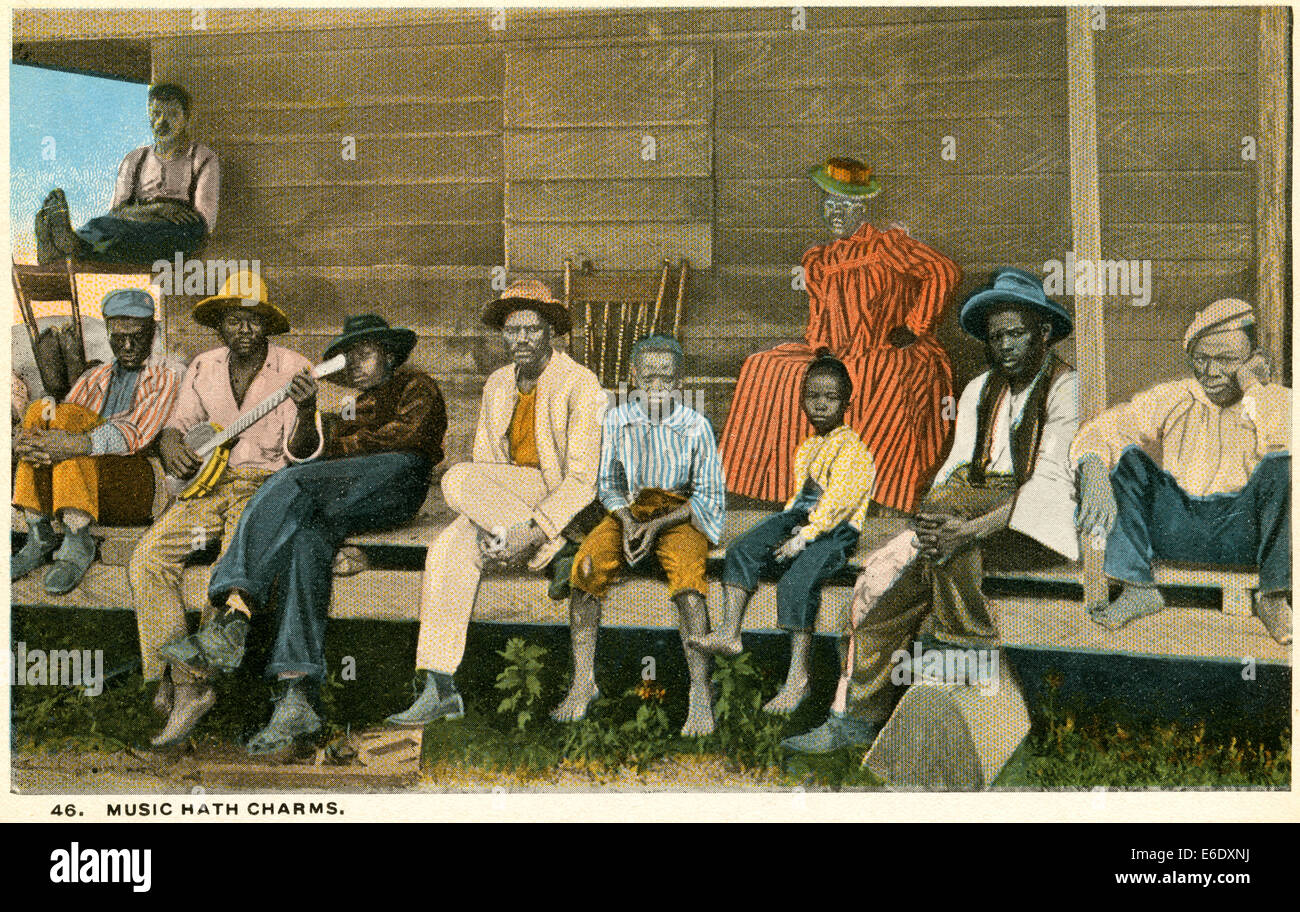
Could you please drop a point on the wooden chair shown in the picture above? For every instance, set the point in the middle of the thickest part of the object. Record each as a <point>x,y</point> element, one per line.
<point>610,311</point>
<point>57,282</point>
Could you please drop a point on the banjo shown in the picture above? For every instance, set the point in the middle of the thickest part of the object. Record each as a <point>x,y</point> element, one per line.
<point>213,444</point>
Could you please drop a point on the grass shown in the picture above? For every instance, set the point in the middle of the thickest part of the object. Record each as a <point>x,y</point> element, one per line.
<point>1071,749</point>
<point>512,676</point>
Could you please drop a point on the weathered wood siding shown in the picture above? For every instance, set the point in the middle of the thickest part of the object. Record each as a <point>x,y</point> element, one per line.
<point>1176,94</point>
<point>478,148</point>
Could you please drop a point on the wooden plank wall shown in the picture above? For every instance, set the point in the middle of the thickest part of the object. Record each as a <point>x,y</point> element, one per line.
<point>478,148</point>
<point>1176,95</point>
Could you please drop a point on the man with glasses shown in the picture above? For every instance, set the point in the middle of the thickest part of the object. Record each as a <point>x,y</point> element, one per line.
<point>1221,488</point>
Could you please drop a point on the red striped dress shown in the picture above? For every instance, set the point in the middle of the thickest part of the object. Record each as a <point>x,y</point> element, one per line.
<point>859,289</point>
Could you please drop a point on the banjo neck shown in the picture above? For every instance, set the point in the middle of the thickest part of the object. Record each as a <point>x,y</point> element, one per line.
<point>264,408</point>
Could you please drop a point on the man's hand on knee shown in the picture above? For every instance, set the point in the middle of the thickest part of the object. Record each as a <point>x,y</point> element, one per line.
<point>1097,507</point>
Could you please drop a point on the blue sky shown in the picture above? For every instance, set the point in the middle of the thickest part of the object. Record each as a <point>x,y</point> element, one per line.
<point>87,122</point>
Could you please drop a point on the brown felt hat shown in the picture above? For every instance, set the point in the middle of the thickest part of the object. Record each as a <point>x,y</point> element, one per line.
<point>528,294</point>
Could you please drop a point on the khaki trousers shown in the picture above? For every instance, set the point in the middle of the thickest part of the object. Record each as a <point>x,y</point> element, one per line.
<point>941,599</point>
<point>487,496</point>
<point>157,562</point>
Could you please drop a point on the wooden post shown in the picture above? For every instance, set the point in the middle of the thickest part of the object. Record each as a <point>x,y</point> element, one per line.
<point>1272,147</point>
<point>1085,216</point>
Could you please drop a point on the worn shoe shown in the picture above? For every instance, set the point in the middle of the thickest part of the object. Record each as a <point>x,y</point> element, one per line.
<point>559,570</point>
<point>432,704</point>
<point>71,562</point>
<point>218,644</point>
<point>838,731</point>
<point>221,640</point>
<point>292,719</point>
<point>191,703</point>
<point>36,552</point>
<point>1274,611</point>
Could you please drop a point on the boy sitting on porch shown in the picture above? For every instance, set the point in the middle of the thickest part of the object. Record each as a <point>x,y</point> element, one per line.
<point>661,481</point>
<point>812,539</point>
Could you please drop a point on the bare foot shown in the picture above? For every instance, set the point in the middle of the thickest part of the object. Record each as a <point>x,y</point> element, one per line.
<point>574,706</point>
<point>788,700</point>
<point>1132,603</point>
<point>699,718</point>
<point>1275,611</point>
<point>716,643</point>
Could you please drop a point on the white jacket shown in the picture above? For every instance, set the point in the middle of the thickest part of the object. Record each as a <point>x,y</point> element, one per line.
<point>570,407</point>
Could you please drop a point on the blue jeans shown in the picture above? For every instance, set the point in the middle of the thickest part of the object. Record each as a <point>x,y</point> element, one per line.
<point>290,531</point>
<point>118,240</point>
<point>799,591</point>
<point>1158,519</point>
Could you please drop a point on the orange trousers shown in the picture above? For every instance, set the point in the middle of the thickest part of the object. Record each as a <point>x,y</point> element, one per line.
<point>681,549</point>
<point>114,490</point>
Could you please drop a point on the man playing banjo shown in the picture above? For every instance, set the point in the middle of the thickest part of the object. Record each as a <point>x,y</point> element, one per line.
<point>218,387</point>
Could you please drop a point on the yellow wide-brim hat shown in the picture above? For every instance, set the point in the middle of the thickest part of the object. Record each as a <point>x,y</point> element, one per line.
<point>246,291</point>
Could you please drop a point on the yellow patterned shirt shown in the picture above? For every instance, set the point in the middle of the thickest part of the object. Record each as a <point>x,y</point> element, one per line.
<point>841,465</point>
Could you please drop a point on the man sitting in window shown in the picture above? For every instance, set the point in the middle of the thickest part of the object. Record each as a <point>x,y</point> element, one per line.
<point>164,202</point>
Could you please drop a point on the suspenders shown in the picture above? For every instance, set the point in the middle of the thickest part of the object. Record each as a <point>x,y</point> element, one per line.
<point>139,165</point>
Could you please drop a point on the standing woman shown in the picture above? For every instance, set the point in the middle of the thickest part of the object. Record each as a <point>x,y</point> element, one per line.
<point>874,298</point>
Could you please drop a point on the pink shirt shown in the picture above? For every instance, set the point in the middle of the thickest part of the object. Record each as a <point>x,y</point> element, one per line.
<point>205,395</point>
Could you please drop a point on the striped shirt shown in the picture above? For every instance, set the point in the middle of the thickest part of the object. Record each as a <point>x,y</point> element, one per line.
<point>677,454</point>
<point>841,465</point>
<point>135,428</point>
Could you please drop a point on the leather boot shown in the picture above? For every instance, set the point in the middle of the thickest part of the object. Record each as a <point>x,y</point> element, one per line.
<point>293,718</point>
<point>37,550</point>
<point>190,703</point>
<point>438,700</point>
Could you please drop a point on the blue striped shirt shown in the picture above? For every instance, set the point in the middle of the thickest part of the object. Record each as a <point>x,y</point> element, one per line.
<point>677,454</point>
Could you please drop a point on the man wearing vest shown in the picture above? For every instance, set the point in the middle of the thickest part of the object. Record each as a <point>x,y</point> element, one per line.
<point>164,202</point>
<point>1006,490</point>
<point>536,458</point>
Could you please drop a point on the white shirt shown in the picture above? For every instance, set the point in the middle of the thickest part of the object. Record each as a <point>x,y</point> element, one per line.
<point>1044,507</point>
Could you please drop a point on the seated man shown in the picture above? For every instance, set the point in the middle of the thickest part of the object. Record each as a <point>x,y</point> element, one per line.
<point>1221,492</point>
<point>661,481</point>
<point>1005,492</point>
<point>164,202</point>
<point>82,460</point>
<point>368,470</point>
<point>218,387</point>
<point>536,455</point>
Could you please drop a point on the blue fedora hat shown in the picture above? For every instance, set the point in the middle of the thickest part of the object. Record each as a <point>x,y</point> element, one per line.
<point>1014,286</point>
